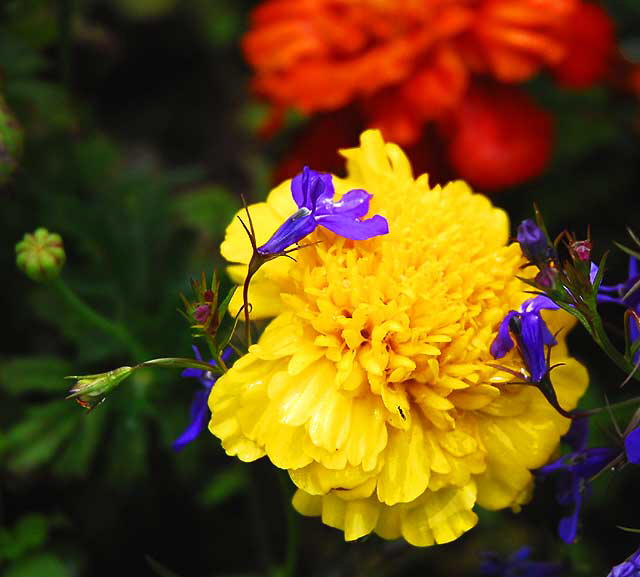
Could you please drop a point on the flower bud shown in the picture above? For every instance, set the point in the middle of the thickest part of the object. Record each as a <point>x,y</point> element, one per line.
<point>581,250</point>
<point>11,140</point>
<point>40,255</point>
<point>547,278</point>
<point>533,242</point>
<point>91,390</point>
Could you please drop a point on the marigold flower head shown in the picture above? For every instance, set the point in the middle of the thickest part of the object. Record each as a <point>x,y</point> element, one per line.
<point>374,385</point>
<point>410,62</point>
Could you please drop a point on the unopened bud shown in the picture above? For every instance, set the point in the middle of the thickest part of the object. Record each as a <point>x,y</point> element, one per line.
<point>91,390</point>
<point>40,255</point>
<point>11,140</point>
<point>533,242</point>
<point>581,249</point>
<point>547,277</point>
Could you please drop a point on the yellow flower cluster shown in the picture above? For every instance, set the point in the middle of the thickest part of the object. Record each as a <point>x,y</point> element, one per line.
<point>373,385</point>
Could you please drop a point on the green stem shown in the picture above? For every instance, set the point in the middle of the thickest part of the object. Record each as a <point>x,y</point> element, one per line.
<point>179,363</point>
<point>91,316</point>
<point>618,405</point>
<point>602,339</point>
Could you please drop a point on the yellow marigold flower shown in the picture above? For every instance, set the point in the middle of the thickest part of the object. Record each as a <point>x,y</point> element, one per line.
<point>373,385</point>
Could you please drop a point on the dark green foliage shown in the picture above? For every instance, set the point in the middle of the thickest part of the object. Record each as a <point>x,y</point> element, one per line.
<point>139,137</point>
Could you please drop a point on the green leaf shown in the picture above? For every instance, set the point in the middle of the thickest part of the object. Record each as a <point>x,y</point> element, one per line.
<point>209,209</point>
<point>34,440</point>
<point>28,374</point>
<point>78,454</point>
<point>29,533</point>
<point>226,484</point>
<point>42,565</point>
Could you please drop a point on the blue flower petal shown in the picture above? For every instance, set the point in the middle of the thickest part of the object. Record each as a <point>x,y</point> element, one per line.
<point>533,337</point>
<point>632,446</point>
<point>353,228</point>
<point>199,418</point>
<point>193,373</point>
<point>292,230</point>
<point>577,435</point>
<point>540,302</point>
<point>628,568</point>
<point>354,204</point>
<point>309,187</point>
<point>503,342</point>
<point>568,526</point>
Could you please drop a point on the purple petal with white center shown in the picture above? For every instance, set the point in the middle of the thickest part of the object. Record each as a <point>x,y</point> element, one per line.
<point>354,204</point>
<point>199,418</point>
<point>632,446</point>
<point>535,305</point>
<point>353,228</point>
<point>503,342</point>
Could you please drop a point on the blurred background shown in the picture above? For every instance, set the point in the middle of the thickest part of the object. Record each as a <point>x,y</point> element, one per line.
<point>131,128</point>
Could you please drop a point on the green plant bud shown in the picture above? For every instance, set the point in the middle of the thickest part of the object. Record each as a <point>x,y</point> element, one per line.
<point>11,141</point>
<point>40,255</point>
<point>91,390</point>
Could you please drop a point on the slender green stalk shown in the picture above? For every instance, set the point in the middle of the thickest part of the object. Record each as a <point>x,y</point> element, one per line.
<point>603,341</point>
<point>619,405</point>
<point>91,316</point>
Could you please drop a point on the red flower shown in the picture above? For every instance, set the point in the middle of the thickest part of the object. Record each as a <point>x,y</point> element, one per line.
<point>500,137</point>
<point>590,43</point>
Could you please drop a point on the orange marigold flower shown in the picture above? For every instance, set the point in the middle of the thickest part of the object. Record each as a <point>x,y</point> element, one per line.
<point>406,63</point>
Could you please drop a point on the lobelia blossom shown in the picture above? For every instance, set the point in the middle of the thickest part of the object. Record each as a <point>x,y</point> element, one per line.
<point>518,565</point>
<point>632,446</point>
<point>630,567</point>
<point>374,385</point>
<point>313,193</point>
<point>533,242</point>
<point>616,293</point>
<point>199,409</point>
<point>573,473</point>
<point>533,339</point>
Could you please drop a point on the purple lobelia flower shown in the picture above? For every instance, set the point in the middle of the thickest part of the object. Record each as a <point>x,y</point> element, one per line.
<point>632,446</point>
<point>531,335</point>
<point>616,293</point>
<point>533,242</point>
<point>313,192</point>
<point>199,406</point>
<point>518,565</point>
<point>630,567</point>
<point>533,338</point>
<point>573,473</point>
